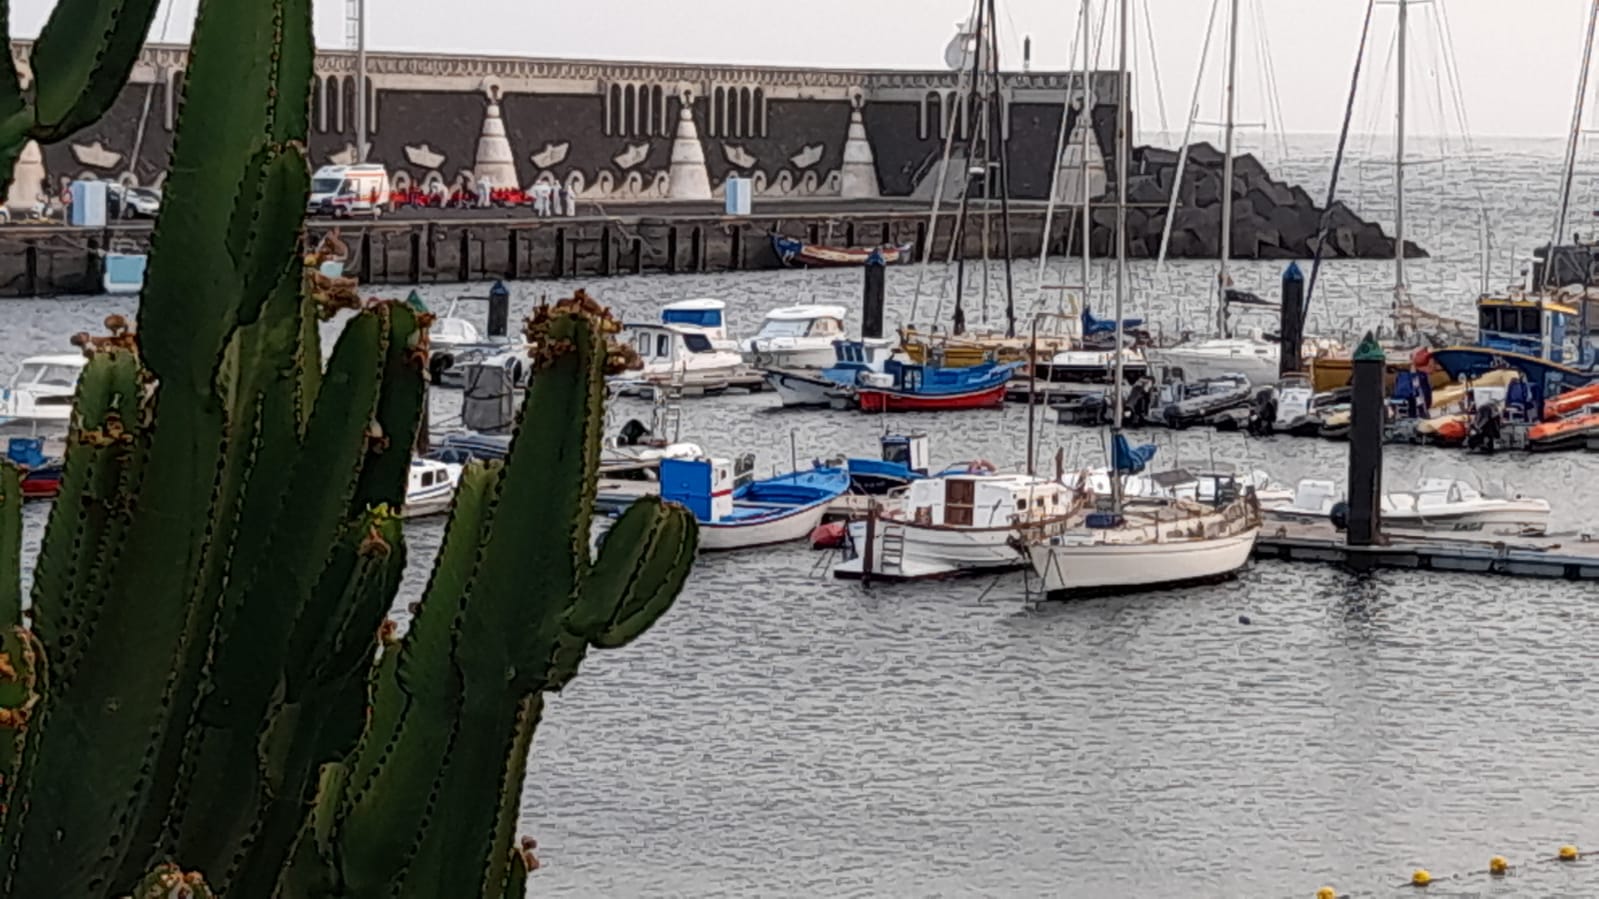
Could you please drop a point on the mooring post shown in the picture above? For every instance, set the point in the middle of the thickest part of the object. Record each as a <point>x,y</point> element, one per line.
<point>1365,444</point>
<point>872,296</point>
<point>1293,320</point>
<point>869,543</point>
<point>499,309</point>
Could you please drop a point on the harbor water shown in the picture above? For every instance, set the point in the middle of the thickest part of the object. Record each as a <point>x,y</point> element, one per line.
<point>783,734</point>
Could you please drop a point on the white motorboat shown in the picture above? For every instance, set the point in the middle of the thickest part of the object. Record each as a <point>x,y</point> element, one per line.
<point>1296,405</point>
<point>1091,366</point>
<point>677,356</point>
<point>1152,543</point>
<point>701,316</point>
<point>797,337</point>
<point>430,488</point>
<point>955,523</point>
<point>1257,360</point>
<point>1202,486</point>
<point>1435,504</point>
<point>40,393</point>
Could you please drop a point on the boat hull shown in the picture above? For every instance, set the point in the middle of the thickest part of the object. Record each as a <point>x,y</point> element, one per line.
<point>800,389</point>
<point>1068,569</point>
<point>933,552</point>
<point>873,399</point>
<point>1472,362</point>
<point>795,525</point>
<point>796,357</point>
<point>1198,365</point>
<point>808,255</point>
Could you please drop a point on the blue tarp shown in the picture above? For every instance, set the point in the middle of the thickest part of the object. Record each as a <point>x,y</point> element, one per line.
<point>1128,458</point>
<point>1092,325</point>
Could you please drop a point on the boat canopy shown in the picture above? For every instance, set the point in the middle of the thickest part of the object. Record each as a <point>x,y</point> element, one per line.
<point>701,313</point>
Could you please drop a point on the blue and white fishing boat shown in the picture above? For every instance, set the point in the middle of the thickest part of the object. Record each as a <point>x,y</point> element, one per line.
<point>1544,338</point>
<point>834,385</point>
<point>741,512</point>
<point>904,459</point>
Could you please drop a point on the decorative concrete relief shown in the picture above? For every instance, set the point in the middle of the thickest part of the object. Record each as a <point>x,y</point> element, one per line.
<point>634,186</point>
<point>96,155</point>
<point>808,156</point>
<point>424,157</point>
<point>632,156</point>
<point>552,155</point>
<point>738,156</point>
<point>494,162</point>
<point>346,156</point>
<point>28,180</point>
<point>689,179</point>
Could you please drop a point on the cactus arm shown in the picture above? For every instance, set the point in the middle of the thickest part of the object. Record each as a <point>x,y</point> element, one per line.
<point>15,119</point>
<point>234,96</point>
<point>503,876</point>
<point>387,469</point>
<point>22,683</point>
<point>82,60</point>
<point>323,721</point>
<point>660,574</point>
<point>10,544</point>
<point>393,779</point>
<point>261,613</point>
<point>520,863</point>
<point>267,250</point>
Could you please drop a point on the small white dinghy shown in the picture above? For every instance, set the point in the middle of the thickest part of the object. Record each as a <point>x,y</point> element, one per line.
<point>1435,504</point>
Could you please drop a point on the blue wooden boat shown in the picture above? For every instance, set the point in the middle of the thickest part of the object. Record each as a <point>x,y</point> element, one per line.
<point>741,512</point>
<point>1544,339</point>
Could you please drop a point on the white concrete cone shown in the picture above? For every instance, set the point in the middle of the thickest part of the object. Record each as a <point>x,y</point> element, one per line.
<point>1069,181</point>
<point>860,167</point>
<point>27,180</point>
<point>494,158</point>
<point>688,179</point>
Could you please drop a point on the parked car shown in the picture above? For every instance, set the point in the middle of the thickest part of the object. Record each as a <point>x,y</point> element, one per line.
<point>131,202</point>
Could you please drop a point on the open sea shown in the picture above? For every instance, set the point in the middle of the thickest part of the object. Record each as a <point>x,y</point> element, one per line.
<point>782,734</point>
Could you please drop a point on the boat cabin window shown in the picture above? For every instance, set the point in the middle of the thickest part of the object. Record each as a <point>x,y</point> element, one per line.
<point>783,328</point>
<point>826,327</point>
<point>1021,505</point>
<point>897,452</point>
<point>696,343</point>
<point>46,375</point>
<point>427,479</point>
<point>663,346</point>
<point>1522,320</point>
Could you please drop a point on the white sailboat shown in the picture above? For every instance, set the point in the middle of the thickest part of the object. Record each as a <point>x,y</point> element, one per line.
<point>1113,544</point>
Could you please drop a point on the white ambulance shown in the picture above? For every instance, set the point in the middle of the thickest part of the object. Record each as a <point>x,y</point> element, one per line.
<point>346,190</point>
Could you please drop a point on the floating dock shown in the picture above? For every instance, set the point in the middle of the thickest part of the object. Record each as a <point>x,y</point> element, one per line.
<point>1572,557</point>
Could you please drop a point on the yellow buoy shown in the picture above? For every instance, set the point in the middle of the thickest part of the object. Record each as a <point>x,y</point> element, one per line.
<point>1326,893</point>
<point>1497,866</point>
<point>1421,878</point>
<point>1568,853</point>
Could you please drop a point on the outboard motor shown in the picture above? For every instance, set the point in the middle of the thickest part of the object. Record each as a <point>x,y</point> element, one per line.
<point>1139,399</point>
<point>1263,417</point>
<point>1485,432</point>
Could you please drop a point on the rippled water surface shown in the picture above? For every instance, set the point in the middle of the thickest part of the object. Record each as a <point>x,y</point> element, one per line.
<point>781,734</point>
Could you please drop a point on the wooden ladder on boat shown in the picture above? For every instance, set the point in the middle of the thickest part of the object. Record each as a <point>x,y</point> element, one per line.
<point>892,540</point>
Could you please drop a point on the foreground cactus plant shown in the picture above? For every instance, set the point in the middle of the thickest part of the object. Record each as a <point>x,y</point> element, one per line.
<point>196,706</point>
<point>79,63</point>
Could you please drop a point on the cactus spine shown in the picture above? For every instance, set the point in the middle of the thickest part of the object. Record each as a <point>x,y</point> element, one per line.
<point>199,684</point>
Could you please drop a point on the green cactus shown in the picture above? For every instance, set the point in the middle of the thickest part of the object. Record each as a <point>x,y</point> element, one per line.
<point>80,63</point>
<point>199,684</point>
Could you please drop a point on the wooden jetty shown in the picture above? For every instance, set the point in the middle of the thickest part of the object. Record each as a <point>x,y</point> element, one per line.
<point>1573,557</point>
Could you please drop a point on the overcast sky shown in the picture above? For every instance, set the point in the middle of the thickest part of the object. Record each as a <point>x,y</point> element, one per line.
<point>1518,61</point>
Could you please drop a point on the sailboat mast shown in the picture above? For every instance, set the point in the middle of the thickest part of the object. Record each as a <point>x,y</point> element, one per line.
<point>1085,121</point>
<point>1399,154</point>
<point>1571,144</point>
<point>1122,124</point>
<point>1228,128</point>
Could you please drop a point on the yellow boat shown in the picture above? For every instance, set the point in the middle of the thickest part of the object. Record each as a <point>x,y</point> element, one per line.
<point>1446,401</point>
<point>1330,371</point>
<point>976,347</point>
